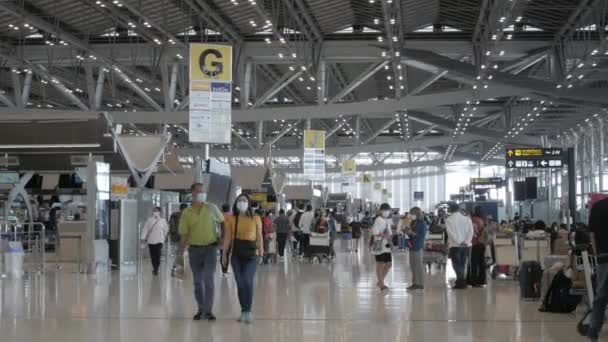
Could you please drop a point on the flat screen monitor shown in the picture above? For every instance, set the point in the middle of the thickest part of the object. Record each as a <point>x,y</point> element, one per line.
<point>519,191</point>
<point>531,188</point>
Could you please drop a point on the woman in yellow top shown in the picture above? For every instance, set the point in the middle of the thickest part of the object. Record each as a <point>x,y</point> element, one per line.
<point>243,240</point>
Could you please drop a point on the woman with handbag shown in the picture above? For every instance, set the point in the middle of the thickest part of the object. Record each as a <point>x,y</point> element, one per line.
<point>154,234</point>
<point>244,243</point>
<point>381,244</point>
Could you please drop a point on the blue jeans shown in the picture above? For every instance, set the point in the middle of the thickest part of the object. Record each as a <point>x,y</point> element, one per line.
<point>459,256</point>
<point>203,260</point>
<point>601,300</point>
<point>244,273</point>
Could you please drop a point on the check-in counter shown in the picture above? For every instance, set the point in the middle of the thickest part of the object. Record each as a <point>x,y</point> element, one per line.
<point>72,242</point>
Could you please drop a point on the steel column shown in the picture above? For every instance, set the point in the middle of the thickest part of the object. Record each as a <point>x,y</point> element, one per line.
<point>246,90</point>
<point>27,86</point>
<point>99,88</point>
<point>173,83</point>
<point>17,89</point>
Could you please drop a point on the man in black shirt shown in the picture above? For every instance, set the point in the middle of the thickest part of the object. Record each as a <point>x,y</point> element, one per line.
<point>598,227</point>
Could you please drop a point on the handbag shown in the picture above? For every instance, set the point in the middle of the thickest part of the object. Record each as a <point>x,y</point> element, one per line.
<point>243,248</point>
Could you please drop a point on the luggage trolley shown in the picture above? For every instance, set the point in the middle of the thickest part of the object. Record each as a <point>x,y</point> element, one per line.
<point>319,249</point>
<point>508,256</point>
<point>435,251</point>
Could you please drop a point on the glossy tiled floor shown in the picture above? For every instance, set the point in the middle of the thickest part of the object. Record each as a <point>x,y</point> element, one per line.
<point>294,302</point>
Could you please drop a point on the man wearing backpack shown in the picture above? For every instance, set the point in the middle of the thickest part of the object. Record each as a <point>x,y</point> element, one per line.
<point>295,228</point>
<point>174,235</point>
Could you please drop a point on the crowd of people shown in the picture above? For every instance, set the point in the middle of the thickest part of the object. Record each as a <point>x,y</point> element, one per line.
<point>245,237</point>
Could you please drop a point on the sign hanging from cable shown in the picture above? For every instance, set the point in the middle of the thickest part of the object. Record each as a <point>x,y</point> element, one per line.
<point>314,155</point>
<point>531,158</point>
<point>349,171</point>
<point>210,116</point>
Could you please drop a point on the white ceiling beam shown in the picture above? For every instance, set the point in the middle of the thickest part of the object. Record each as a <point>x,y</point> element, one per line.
<point>384,127</point>
<point>283,82</point>
<point>250,145</point>
<point>4,99</point>
<point>362,77</point>
<point>428,82</point>
<point>75,42</point>
<point>309,19</point>
<point>334,150</point>
<point>290,126</point>
<point>216,20</point>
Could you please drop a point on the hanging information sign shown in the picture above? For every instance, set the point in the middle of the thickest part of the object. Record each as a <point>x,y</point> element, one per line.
<point>314,155</point>
<point>210,119</point>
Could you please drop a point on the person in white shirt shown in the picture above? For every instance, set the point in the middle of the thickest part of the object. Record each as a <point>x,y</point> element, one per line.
<point>459,229</point>
<point>306,222</point>
<point>154,234</point>
<point>381,244</point>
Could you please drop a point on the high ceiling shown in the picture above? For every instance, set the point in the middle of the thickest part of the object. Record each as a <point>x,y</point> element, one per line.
<point>455,79</point>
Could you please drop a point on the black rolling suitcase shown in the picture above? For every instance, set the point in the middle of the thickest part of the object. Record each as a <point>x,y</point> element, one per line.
<point>530,276</point>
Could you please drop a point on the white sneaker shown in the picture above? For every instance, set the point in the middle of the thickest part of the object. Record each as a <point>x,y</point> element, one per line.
<point>248,318</point>
<point>241,318</point>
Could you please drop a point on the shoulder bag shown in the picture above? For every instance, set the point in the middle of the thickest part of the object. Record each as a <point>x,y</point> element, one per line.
<point>243,248</point>
<point>151,230</point>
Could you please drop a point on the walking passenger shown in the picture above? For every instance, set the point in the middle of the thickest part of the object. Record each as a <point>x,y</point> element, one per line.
<point>459,229</point>
<point>306,223</point>
<point>294,221</point>
<point>417,233</point>
<point>381,244</point>
<point>281,224</point>
<point>197,228</point>
<point>226,210</point>
<point>477,271</point>
<point>244,240</point>
<point>174,236</point>
<point>154,233</point>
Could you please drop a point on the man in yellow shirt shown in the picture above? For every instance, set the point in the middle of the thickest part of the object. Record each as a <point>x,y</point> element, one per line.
<point>198,229</point>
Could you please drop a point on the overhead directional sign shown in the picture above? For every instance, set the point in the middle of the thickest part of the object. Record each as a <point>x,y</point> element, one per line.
<point>314,155</point>
<point>531,158</point>
<point>487,183</point>
<point>210,116</point>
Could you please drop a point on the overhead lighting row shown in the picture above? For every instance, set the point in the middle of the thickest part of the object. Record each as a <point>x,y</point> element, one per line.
<point>405,131</point>
<point>449,153</point>
<point>498,148</point>
<point>588,121</point>
<point>583,67</point>
<point>465,119</point>
<point>526,121</point>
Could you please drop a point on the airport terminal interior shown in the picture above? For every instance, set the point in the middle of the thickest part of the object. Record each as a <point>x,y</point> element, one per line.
<point>329,170</point>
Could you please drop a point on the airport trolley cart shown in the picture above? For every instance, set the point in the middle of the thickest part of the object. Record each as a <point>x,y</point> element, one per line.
<point>319,249</point>
<point>435,250</point>
<point>508,256</point>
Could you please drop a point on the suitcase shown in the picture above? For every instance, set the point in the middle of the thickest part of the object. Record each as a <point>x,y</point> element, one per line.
<point>530,279</point>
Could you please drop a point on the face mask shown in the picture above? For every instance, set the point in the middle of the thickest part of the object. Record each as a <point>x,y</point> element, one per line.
<point>413,217</point>
<point>385,213</point>
<point>242,206</point>
<point>201,197</point>
<point>156,214</point>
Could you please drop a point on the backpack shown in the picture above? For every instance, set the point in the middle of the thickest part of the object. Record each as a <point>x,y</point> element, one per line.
<point>558,298</point>
<point>174,226</point>
<point>296,219</point>
<point>321,226</point>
